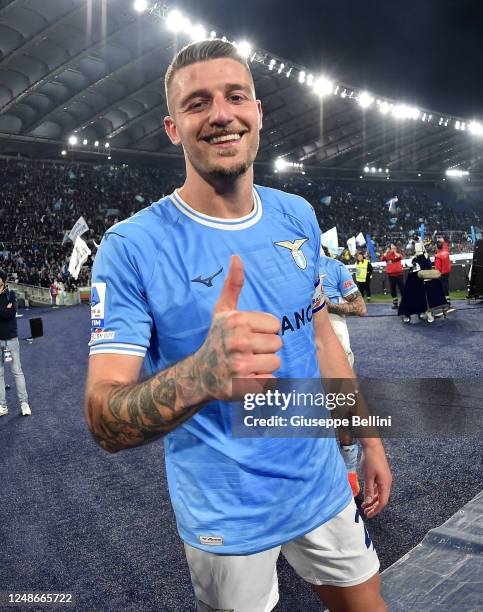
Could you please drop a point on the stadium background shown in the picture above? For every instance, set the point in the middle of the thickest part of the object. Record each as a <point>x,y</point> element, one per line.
<point>81,108</point>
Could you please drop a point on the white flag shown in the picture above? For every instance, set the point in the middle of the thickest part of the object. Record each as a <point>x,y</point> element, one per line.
<point>391,204</point>
<point>80,226</point>
<point>351,245</point>
<point>331,241</point>
<point>79,255</point>
<point>326,200</point>
<point>360,240</point>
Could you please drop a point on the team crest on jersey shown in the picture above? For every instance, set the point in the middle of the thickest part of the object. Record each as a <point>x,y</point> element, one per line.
<point>296,249</point>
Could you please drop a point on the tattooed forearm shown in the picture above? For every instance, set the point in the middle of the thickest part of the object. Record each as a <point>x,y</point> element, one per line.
<point>354,305</point>
<point>126,415</point>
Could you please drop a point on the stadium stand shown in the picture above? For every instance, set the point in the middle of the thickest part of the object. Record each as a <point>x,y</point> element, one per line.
<point>49,197</point>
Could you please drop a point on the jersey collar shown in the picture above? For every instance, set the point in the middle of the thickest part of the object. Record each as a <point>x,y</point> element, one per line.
<point>224,224</point>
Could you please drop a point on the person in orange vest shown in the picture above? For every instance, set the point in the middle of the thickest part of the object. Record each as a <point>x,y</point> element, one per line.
<point>394,269</point>
<point>442,262</point>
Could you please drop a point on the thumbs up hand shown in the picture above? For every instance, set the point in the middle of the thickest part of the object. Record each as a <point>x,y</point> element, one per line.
<point>239,344</point>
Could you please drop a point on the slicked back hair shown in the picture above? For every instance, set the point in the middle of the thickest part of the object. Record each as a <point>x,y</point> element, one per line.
<point>213,48</point>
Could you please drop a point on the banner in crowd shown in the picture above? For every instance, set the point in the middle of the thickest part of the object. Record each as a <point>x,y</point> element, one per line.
<point>80,226</point>
<point>352,246</point>
<point>391,204</point>
<point>360,240</point>
<point>371,248</point>
<point>79,255</point>
<point>473,235</point>
<point>331,241</point>
<point>421,231</point>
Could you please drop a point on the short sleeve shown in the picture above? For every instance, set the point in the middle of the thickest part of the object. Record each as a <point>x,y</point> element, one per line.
<point>318,299</point>
<point>347,285</point>
<point>120,318</point>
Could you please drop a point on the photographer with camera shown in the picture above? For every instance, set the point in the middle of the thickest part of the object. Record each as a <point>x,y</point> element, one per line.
<point>10,348</point>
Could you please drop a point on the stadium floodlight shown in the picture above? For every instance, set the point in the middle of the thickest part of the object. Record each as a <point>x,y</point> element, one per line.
<point>108,157</point>
<point>107,145</point>
<point>365,99</point>
<point>63,152</point>
<point>289,72</point>
<point>384,107</point>
<point>197,33</point>
<point>323,86</point>
<point>310,80</point>
<point>475,128</point>
<point>302,77</point>
<point>386,170</point>
<point>379,169</point>
<point>85,142</point>
<point>73,140</point>
<point>271,64</point>
<point>401,111</point>
<point>343,93</point>
<point>373,169</point>
<point>140,6</point>
<point>175,21</point>
<point>280,164</point>
<point>244,49</point>
<point>96,143</point>
<point>282,66</point>
<point>456,173</point>
<point>212,34</point>
<point>366,169</point>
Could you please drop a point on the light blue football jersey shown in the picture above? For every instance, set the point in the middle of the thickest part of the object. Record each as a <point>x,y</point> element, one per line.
<point>337,281</point>
<point>156,279</point>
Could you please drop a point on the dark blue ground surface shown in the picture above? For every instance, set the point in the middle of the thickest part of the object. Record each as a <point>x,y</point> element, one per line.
<point>74,518</point>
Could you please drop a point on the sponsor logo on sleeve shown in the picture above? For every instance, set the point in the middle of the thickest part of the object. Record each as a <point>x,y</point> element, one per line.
<point>348,284</point>
<point>99,334</point>
<point>318,297</point>
<point>98,300</point>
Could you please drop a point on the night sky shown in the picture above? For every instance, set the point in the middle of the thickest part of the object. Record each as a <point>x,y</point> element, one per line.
<point>425,52</point>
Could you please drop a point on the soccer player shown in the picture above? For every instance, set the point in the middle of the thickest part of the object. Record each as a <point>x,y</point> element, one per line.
<point>343,298</point>
<point>220,280</point>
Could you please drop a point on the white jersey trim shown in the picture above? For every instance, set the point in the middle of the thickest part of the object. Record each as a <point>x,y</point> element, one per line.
<point>224,224</point>
<point>119,348</point>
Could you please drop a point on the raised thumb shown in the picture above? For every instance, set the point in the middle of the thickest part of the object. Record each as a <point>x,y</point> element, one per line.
<point>232,286</point>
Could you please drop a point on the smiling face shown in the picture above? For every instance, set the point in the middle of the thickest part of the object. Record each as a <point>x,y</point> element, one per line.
<point>215,117</point>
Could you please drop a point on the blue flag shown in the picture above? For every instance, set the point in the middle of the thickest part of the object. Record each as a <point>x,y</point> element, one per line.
<point>473,235</point>
<point>421,231</point>
<point>370,247</point>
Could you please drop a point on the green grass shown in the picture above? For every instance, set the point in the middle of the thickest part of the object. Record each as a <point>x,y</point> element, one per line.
<point>379,298</point>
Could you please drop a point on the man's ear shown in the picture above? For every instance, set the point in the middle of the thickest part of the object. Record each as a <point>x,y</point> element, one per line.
<point>260,112</point>
<point>171,130</point>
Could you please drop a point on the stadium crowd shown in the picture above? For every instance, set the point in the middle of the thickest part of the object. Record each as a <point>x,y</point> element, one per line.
<point>40,201</point>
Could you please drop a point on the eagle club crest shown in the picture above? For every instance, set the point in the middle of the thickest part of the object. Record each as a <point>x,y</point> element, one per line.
<point>296,249</point>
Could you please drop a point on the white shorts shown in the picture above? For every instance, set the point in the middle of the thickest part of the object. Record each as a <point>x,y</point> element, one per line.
<point>339,325</point>
<point>338,553</point>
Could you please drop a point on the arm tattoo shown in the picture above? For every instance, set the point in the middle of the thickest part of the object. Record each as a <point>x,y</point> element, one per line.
<point>353,305</point>
<point>127,415</point>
